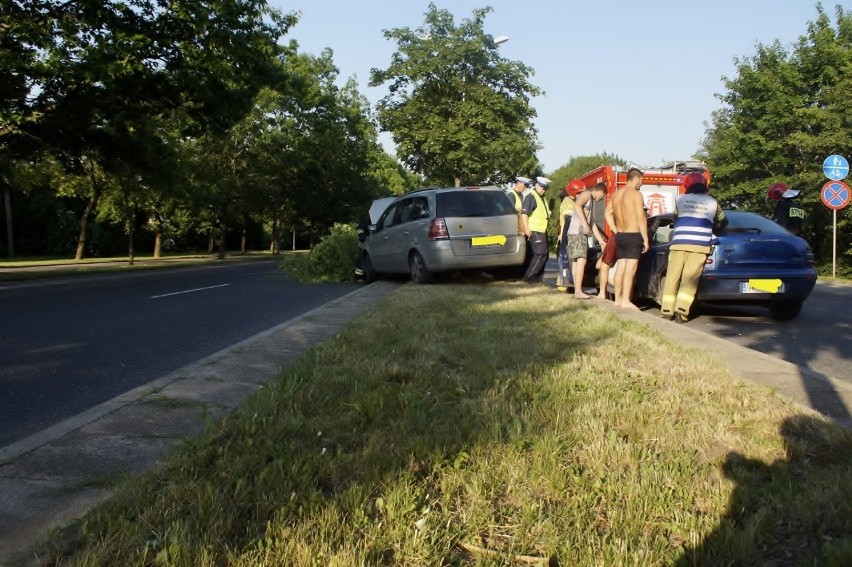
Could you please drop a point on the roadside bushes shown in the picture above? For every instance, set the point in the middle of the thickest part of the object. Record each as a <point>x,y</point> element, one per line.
<point>330,261</point>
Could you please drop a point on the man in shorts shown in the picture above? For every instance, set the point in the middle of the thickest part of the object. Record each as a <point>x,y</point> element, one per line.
<point>579,230</point>
<point>631,224</point>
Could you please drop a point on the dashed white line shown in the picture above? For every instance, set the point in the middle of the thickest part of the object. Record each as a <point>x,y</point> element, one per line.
<point>188,291</point>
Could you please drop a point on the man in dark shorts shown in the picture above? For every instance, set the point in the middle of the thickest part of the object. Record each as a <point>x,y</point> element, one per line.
<point>629,245</point>
<point>631,224</point>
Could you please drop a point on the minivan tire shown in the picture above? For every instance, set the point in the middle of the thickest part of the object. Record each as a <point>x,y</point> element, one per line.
<point>420,274</point>
<point>370,273</point>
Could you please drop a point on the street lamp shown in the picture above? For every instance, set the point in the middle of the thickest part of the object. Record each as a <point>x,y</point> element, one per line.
<point>501,39</point>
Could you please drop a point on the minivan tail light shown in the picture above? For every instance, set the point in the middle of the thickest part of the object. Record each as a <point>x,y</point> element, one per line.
<point>438,229</point>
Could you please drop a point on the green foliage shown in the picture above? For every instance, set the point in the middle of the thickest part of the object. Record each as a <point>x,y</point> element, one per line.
<point>330,261</point>
<point>459,113</point>
<point>785,111</point>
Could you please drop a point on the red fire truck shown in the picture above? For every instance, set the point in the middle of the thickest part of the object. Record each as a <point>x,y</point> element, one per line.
<point>660,186</point>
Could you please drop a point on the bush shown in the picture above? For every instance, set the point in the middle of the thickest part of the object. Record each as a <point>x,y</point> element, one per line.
<point>331,261</point>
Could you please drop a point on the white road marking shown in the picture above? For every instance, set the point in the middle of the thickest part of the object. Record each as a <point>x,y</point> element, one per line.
<point>188,291</point>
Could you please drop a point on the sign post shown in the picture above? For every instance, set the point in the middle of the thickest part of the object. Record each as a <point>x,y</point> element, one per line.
<point>835,195</point>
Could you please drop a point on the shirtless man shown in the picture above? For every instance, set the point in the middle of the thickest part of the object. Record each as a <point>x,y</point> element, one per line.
<point>631,224</point>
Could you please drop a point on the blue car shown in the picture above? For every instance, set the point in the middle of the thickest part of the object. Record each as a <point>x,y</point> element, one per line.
<point>754,261</point>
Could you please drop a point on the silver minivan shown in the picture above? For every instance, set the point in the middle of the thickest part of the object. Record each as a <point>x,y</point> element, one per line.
<point>429,231</point>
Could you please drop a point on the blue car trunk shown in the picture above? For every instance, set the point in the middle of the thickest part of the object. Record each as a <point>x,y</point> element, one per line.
<point>741,251</point>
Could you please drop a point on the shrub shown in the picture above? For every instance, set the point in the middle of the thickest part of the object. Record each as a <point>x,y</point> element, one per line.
<point>331,261</point>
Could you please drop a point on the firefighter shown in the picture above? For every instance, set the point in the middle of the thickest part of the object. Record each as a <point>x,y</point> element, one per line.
<point>534,217</point>
<point>566,209</point>
<point>698,215</point>
<point>788,213</point>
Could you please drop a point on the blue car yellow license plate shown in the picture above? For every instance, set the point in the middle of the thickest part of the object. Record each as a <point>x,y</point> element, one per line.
<point>762,286</point>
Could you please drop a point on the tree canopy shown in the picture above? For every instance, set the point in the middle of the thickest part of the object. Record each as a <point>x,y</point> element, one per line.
<point>458,111</point>
<point>785,111</point>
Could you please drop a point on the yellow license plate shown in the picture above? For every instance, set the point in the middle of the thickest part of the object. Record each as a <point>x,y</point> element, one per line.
<point>762,286</point>
<point>498,240</point>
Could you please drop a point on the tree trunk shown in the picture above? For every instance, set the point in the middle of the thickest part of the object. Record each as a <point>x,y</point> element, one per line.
<point>243,241</point>
<point>294,239</point>
<point>84,224</point>
<point>7,202</point>
<point>276,230</point>
<point>458,181</point>
<point>131,231</point>
<point>158,236</point>
<point>222,230</point>
<point>211,243</point>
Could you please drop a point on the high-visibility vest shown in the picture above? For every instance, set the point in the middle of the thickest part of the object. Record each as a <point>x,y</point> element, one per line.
<point>538,218</point>
<point>519,202</point>
<point>696,214</point>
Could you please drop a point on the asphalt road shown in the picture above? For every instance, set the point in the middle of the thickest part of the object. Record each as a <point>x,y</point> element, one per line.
<point>819,339</point>
<point>67,345</point>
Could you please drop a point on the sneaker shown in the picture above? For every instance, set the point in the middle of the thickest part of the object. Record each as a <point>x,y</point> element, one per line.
<point>679,318</point>
<point>561,288</point>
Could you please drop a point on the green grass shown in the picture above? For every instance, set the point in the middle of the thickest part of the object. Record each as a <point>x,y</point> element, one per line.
<point>492,425</point>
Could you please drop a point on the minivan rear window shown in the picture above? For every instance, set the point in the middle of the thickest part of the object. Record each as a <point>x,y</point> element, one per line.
<point>473,203</point>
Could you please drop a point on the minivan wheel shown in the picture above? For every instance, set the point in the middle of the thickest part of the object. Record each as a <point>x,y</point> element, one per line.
<point>419,273</point>
<point>785,310</point>
<point>370,273</point>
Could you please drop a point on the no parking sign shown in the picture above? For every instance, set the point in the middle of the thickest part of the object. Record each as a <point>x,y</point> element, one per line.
<point>835,195</point>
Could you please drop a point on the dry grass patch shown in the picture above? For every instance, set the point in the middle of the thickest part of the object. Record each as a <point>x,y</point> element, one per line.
<point>492,425</point>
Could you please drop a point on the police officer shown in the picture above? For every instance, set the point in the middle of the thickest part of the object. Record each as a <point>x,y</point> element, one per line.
<point>522,184</point>
<point>698,215</point>
<point>534,217</point>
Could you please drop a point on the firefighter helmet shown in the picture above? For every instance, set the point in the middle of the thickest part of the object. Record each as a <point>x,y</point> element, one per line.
<point>776,191</point>
<point>695,178</point>
<point>574,188</point>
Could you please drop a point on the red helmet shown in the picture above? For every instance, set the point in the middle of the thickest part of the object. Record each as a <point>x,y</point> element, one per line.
<point>694,178</point>
<point>776,191</point>
<point>574,188</point>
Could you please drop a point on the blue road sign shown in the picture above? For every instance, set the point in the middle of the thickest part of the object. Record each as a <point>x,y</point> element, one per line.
<point>835,195</point>
<point>835,167</point>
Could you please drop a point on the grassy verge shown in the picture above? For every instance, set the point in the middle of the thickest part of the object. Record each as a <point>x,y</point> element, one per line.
<point>492,425</point>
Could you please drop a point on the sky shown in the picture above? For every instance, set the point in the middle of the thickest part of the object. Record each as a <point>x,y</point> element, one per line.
<point>634,78</point>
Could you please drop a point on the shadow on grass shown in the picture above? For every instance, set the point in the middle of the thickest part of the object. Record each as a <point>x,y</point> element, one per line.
<point>794,511</point>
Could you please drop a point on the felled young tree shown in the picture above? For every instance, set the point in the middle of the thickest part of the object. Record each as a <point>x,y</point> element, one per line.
<point>458,111</point>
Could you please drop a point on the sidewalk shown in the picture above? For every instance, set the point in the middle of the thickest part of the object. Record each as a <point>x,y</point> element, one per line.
<point>53,477</point>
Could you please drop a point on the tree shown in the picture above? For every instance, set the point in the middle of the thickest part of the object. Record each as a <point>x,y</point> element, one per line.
<point>784,112</point>
<point>83,74</point>
<point>458,112</point>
